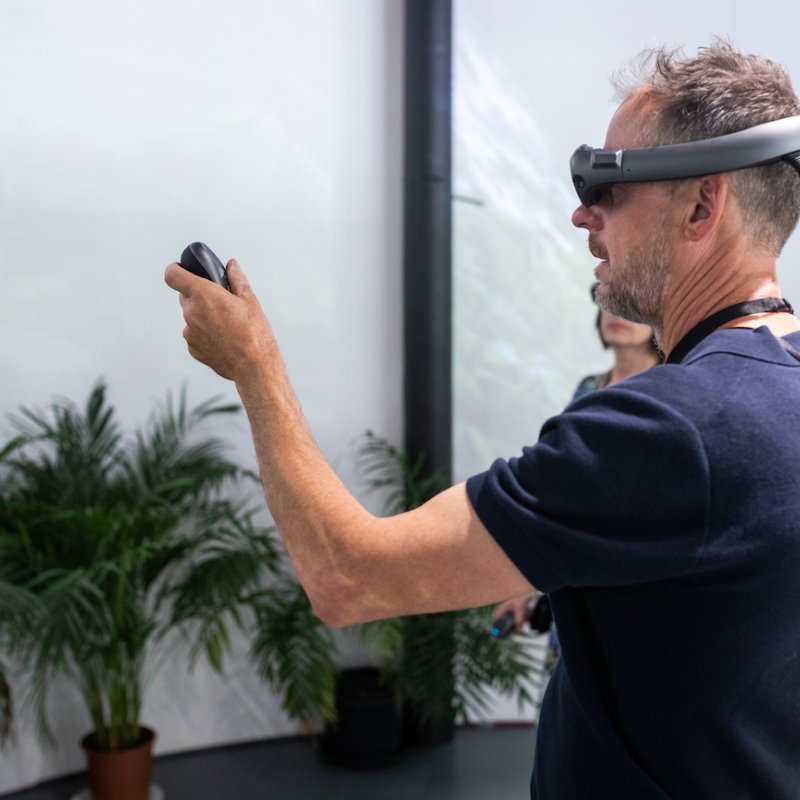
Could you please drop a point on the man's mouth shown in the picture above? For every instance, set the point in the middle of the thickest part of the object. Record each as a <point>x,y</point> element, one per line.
<point>597,249</point>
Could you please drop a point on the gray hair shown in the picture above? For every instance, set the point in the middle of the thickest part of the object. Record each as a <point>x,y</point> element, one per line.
<point>722,91</point>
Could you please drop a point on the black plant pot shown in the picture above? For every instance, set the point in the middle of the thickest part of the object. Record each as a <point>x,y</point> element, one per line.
<point>369,729</point>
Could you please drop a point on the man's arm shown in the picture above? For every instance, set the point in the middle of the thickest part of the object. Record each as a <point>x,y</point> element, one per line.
<point>353,565</point>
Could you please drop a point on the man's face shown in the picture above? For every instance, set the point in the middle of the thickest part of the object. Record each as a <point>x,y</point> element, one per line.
<point>632,231</point>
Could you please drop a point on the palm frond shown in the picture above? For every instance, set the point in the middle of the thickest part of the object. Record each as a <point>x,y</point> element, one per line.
<point>512,666</point>
<point>293,653</point>
<point>386,636</point>
<point>408,484</point>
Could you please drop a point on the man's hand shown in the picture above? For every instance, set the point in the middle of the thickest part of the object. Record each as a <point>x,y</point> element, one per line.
<point>520,607</point>
<point>227,331</point>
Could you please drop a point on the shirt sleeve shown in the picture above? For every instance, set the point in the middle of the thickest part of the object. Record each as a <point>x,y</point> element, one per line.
<point>616,492</point>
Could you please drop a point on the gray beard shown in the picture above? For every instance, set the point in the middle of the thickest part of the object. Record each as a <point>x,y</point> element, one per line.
<point>628,307</point>
<point>639,297</point>
<point>631,305</point>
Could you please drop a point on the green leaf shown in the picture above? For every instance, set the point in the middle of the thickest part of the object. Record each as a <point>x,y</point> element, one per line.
<point>293,652</point>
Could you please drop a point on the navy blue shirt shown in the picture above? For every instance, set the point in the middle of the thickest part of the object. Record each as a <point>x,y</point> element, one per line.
<point>662,515</point>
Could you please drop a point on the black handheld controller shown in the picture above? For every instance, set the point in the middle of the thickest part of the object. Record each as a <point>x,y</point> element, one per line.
<point>540,618</point>
<point>201,260</point>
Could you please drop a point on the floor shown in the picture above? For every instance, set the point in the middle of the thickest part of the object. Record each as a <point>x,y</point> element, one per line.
<point>481,763</point>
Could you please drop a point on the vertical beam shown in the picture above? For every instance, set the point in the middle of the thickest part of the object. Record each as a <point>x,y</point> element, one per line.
<point>427,293</point>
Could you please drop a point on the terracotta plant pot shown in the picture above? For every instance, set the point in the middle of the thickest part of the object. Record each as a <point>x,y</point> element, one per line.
<point>120,774</point>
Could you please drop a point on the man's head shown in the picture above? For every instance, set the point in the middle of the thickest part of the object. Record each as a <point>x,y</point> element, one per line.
<point>722,91</point>
<point>645,232</point>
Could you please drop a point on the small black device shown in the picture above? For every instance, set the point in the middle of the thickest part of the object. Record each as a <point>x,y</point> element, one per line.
<point>201,260</point>
<point>539,618</point>
<point>593,169</point>
<point>503,625</point>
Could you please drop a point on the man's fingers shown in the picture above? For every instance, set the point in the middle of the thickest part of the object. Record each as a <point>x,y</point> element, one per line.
<point>187,283</point>
<point>180,279</point>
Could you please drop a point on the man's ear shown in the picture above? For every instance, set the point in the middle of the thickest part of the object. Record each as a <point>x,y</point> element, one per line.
<point>708,199</point>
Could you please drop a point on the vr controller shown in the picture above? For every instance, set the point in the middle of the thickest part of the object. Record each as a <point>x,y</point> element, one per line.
<point>539,618</point>
<point>201,260</point>
<point>593,169</point>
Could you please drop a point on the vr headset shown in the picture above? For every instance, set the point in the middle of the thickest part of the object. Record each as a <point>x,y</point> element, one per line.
<point>594,169</point>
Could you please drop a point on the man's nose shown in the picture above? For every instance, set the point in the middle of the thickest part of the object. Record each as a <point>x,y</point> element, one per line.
<point>588,218</point>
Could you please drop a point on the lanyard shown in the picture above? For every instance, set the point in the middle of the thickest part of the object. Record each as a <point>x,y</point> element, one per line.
<point>710,324</point>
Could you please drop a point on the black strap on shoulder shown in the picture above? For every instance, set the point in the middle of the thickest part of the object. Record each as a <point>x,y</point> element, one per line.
<point>763,305</point>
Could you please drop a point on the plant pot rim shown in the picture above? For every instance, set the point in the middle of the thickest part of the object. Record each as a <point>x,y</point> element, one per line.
<point>147,735</point>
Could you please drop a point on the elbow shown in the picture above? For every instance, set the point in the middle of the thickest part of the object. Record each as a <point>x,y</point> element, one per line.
<point>340,576</point>
<point>335,602</point>
<point>332,615</point>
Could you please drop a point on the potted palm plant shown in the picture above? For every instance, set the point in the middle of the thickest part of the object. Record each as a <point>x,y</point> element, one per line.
<point>110,544</point>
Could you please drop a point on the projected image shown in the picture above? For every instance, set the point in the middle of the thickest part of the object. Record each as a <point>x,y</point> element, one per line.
<point>523,318</point>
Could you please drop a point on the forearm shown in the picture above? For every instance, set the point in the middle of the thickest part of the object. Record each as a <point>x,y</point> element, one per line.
<point>320,522</point>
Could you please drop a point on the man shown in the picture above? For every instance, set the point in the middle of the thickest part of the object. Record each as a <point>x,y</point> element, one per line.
<point>659,514</point>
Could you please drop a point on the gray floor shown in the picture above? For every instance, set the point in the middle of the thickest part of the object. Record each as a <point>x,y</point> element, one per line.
<point>481,763</point>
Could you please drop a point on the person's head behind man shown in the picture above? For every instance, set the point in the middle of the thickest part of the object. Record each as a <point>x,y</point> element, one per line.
<point>664,243</point>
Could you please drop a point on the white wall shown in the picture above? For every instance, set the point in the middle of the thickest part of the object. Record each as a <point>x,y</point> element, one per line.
<point>271,130</point>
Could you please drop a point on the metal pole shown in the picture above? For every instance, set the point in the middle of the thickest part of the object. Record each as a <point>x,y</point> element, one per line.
<point>427,294</point>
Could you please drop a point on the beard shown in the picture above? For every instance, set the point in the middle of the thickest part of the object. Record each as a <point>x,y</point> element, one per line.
<point>639,280</point>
